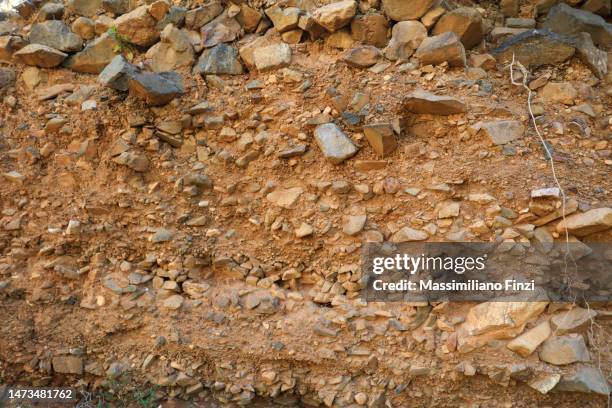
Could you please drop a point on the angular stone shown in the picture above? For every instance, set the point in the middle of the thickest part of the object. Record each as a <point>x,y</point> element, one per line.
<point>535,48</point>
<point>527,342</point>
<point>381,137</point>
<point>584,379</point>
<point>158,9</point>
<point>134,160</point>
<point>156,88</point>
<point>174,302</point>
<point>484,61</point>
<point>221,59</point>
<point>354,224</point>
<point>86,8</point>
<point>571,21</point>
<point>304,230</point>
<point>7,78</point>
<point>401,10</point>
<point>441,48</point>
<point>284,19</point>
<point>564,350</point>
<point>94,57</point>
<point>406,37</point>
<point>408,234</point>
<point>423,102</point>
<point>8,45</point>
<point>341,39</point>
<point>448,209</point>
<point>116,74</point>
<point>544,381</point>
<point>40,56</point>
<point>249,18</point>
<point>198,17</point>
<point>285,198</point>
<point>466,22</point>
<point>138,27</point>
<point>55,34</point>
<point>503,131</point>
<point>591,56</point>
<point>84,27</point>
<point>172,52</point>
<point>68,365</point>
<point>335,145</point>
<point>559,92</point>
<point>336,15</point>
<point>575,320</point>
<point>362,56</point>
<point>432,16</point>
<point>223,29</point>
<point>50,11</point>
<point>370,29</point>
<point>500,319</point>
<point>292,36</point>
<point>272,57</point>
<point>583,224</point>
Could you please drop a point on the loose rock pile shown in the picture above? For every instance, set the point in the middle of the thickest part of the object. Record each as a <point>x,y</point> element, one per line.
<point>186,187</point>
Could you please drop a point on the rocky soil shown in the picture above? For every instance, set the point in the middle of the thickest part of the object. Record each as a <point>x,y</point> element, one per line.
<point>186,187</point>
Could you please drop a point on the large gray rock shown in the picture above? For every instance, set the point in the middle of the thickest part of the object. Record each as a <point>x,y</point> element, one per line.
<point>571,21</point>
<point>55,34</point>
<point>116,75</point>
<point>535,48</point>
<point>156,88</point>
<point>223,29</point>
<point>7,79</point>
<point>175,16</point>
<point>50,11</point>
<point>95,57</point>
<point>401,10</point>
<point>40,56</point>
<point>335,145</point>
<point>196,18</point>
<point>446,47</point>
<point>466,22</point>
<point>423,102</point>
<point>565,350</point>
<point>585,379</point>
<point>221,59</point>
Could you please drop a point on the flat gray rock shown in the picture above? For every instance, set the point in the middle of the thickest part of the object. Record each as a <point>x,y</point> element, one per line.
<point>116,75</point>
<point>335,145</point>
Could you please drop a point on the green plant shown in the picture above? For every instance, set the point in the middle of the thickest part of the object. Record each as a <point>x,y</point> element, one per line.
<point>145,398</point>
<point>123,44</point>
